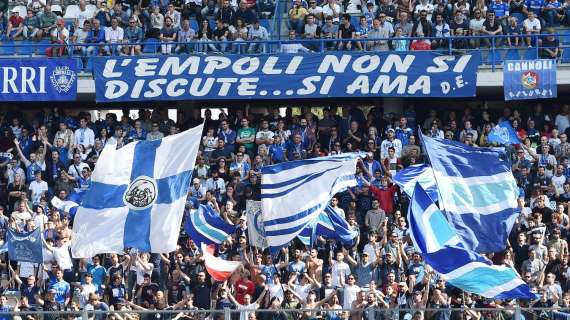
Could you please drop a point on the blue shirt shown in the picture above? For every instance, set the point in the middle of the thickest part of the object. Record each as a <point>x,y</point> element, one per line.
<point>404,135</point>
<point>500,9</point>
<point>535,5</point>
<point>277,152</point>
<point>63,290</point>
<point>98,273</point>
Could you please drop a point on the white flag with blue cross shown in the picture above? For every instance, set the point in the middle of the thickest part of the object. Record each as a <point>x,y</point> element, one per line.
<point>137,196</point>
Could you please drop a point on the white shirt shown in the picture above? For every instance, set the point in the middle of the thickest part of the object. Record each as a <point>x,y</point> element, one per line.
<point>76,173</point>
<point>386,144</point>
<point>530,25</point>
<point>113,35</point>
<point>562,122</point>
<point>85,136</point>
<point>339,270</point>
<point>349,295</point>
<point>82,16</point>
<point>37,189</point>
<point>328,11</point>
<point>61,255</point>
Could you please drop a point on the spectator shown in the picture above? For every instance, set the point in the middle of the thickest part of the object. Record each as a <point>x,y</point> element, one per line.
<point>426,6</point>
<point>185,38</point>
<point>550,45</point>
<point>346,31</point>
<point>388,9</point>
<point>192,8</point>
<point>404,24</point>
<point>156,23</point>
<point>317,12</point>
<point>15,27</point>
<point>400,43</point>
<point>441,31</point>
<point>206,36</point>
<point>551,13</point>
<point>226,13</point>
<point>531,27</point>
<point>501,11</point>
<point>133,38</point>
<point>96,36</point>
<point>221,34</point>
<point>378,35</point>
<point>248,15</point>
<point>79,38</point>
<point>47,23</point>
<point>491,27</point>
<point>513,29</point>
<point>103,14</point>
<point>167,36</point>
<point>329,31</point>
<point>174,15</point>
<point>31,26</point>
<point>297,17</point>
<point>257,32</point>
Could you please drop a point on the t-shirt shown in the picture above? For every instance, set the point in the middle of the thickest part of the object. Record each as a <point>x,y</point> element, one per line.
<point>339,270</point>
<point>37,189</point>
<point>246,133</point>
<point>346,32</point>
<point>62,289</point>
<point>62,256</point>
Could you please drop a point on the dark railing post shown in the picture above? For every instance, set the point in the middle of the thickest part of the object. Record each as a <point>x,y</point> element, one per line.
<point>450,45</point>
<point>492,52</point>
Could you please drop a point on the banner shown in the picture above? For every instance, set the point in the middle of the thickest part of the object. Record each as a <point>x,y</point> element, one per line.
<point>38,79</point>
<point>25,246</point>
<point>255,228</point>
<point>278,76</point>
<point>529,79</point>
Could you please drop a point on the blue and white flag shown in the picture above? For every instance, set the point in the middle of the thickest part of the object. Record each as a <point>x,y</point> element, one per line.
<point>204,225</point>
<point>69,205</point>
<point>255,229</point>
<point>503,134</point>
<point>330,225</point>
<point>477,192</point>
<point>25,246</point>
<point>137,196</point>
<point>420,173</point>
<point>295,193</point>
<point>436,241</point>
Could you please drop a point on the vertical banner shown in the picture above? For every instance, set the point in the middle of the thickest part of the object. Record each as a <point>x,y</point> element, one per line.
<point>529,79</point>
<point>25,246</point>
<point>38,79</point>
<point>255,230</point>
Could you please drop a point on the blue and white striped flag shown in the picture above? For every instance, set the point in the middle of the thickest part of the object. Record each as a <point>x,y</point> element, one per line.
<point>70,204</point>
<point>436,241</point>
<point>204,225</point>
<point>477,192</point>
<point>420,173</point>
<point>295,193</point>
<point>330,225</point>
<point>137,196</point>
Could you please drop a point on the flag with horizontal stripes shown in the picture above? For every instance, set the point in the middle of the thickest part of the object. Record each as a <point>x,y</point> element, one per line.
<point>295,193</point>
<point>70,204</point>
<point>423,174</point>
<point>204,225</point>
<point>477,192</point>
<point>219,269</point>
<point>330,225</point>
<point>444,251</point>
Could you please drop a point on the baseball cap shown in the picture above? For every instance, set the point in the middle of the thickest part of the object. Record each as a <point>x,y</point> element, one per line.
<point>61,22</point>
<point>402,283</point>
<point>390,129</point>
<point>196,180</point>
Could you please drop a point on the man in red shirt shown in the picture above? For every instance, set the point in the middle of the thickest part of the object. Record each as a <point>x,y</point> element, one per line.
<point>15,25</point>
<point>244,286</point>
<point>384,194</point>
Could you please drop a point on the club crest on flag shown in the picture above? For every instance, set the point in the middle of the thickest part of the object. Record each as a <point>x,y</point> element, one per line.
<point>141,193</point>
<point>529,80</point>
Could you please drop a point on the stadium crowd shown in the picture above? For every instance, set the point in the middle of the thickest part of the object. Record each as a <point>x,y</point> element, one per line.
<point>51,154</point>
<point>127,27</point>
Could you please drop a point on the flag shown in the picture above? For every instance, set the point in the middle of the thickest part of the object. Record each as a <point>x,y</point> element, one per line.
<point>503,134</point>
<point>25,246</point>
<point>423,174</point>
<point>330,225</point>
<point>69,205</point>
<point>477,192</point>
<point>255,230</point>
<point>204,225</point>
<point>219,269</point>
<point>137,196</point>
<point>295,193</point>
<point>444,251</point>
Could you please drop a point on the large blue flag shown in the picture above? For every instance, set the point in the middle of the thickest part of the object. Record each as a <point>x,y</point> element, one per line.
<point>137,196</point>
<point>503,134</point>
<point>330,225</point>
<point>204,225</point>
<point>444,251</point>
<point>25,246</point>
<point>477,192</point>
<point>420,173</point>
<point>294,194</point>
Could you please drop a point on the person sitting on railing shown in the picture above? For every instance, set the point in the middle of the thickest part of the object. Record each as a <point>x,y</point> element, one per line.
<point>47,23</point>
<point>15,26</point>
<point>60,37</point>
<point>257,32</point>
<point>329,31</point>
<point>297,17</point>
<point>475,27</point>
<point>492,28</point>
<point>185,36</point>
<point>311,31</point>
<point>362,33</point>
<point>167,36</point>
<point>221,34</point>
<point>346,31</point>
<point>96,36</point>
<point>80,37</point>
<point>379,37</point>
<point>531,27</point>
<point>133,37</point>
<point>114,35</point>
<point>441,31</point>
<point>513,29</point>
<point>550,45</point>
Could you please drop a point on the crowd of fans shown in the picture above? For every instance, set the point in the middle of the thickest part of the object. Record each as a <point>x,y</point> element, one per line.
<point>218,26</point>
<point>51,154</point>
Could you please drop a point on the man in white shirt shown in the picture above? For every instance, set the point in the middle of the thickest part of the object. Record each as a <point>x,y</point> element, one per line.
<point>77,167</point>
<point>38,188</point>
<point>339,270</point>
<point>332,9</point>
<point>390,141</point>
<point>114,34</point>
<point>82,15</point>
<point>531,26</point>
<point>84,137</point>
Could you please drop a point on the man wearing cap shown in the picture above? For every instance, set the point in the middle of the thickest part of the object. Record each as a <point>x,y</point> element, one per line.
<point>15,25</point>
<point>363,269</point>
<point>390,141</point>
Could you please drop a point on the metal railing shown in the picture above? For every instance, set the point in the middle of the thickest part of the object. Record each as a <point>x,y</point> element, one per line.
<point>491,54</point>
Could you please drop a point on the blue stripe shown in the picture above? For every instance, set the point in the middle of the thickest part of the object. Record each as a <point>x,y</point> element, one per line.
<point>288,182</point>
<point>278,168</point>
<point>482,195</point>
<point>282,193</point>
<point>137,224</point>
<point>215,227</point>
<point>104,196</point>
<point>173,188</point>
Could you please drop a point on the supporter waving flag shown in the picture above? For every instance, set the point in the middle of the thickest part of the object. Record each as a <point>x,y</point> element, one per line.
<point>477,192</point>
<point>204,225</point>
<point>295,193</point>
<point>330,225</point>
<point>137,196</point>
<point>219,269</point>
<point>445,252</point>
